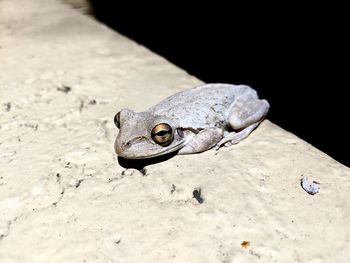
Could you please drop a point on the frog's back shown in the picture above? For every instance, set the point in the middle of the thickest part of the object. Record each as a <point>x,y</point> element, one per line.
<point>202,106</point>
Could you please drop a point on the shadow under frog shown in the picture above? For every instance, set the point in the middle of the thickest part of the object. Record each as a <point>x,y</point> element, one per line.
<point>140,164</point>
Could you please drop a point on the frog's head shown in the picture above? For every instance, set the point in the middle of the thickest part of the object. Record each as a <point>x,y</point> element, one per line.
<point>142,135</point>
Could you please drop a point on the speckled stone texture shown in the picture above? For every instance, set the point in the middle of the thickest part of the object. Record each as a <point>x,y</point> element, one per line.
<point>64,197</point>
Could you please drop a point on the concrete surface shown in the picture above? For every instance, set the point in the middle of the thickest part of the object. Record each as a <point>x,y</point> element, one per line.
<point>64,197</point>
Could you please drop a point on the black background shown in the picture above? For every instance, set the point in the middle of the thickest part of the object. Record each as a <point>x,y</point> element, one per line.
<point>295,56</point>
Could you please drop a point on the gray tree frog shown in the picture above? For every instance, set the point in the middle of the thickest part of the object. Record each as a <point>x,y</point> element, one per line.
<point>191,121</point>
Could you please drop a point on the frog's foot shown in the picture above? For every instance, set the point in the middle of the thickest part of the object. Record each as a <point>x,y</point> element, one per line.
<point>204,140</point>
<point>235,137</point>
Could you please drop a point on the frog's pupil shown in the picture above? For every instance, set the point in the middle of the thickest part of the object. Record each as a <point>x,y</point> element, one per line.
<point>162,133</point>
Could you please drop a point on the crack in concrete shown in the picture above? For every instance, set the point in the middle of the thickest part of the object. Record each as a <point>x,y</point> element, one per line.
<point>59,182</point>
<point>9,224</point>
<point>58,200</point>
<point>7,231</point>
<point>8,227</point>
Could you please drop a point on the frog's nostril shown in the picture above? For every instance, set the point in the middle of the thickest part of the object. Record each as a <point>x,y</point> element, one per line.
<point>126,145</point>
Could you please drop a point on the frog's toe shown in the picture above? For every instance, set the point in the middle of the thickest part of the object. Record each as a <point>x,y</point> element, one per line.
<point>235,137</point>
<point>228,144</point>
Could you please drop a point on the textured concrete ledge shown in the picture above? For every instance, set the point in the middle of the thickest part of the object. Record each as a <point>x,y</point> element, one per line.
<point>65,198</point>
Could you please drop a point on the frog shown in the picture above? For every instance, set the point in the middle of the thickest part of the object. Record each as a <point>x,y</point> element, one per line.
<point>191,121</point>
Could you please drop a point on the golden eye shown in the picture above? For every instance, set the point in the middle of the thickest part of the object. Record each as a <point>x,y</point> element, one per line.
<point>117,120</point>
<point>162,134</point>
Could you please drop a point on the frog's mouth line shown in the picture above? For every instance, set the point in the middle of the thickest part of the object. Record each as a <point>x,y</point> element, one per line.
<point>173,148</point>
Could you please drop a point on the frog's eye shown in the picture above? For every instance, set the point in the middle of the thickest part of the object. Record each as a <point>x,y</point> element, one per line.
<point>162,134</point>
<point>117,120</point>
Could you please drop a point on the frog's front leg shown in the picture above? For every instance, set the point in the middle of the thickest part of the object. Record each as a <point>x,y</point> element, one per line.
<point>245,115</point>
<point>202,141</point>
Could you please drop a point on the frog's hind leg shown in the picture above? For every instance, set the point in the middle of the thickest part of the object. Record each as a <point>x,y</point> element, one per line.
<point>245,115</point>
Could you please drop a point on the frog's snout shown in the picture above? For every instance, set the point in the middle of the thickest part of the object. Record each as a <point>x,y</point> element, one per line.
<point>121,148</point>
<point>118,148</point>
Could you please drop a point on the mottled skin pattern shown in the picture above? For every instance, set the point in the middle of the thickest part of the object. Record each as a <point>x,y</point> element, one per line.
<point>200,118</point>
